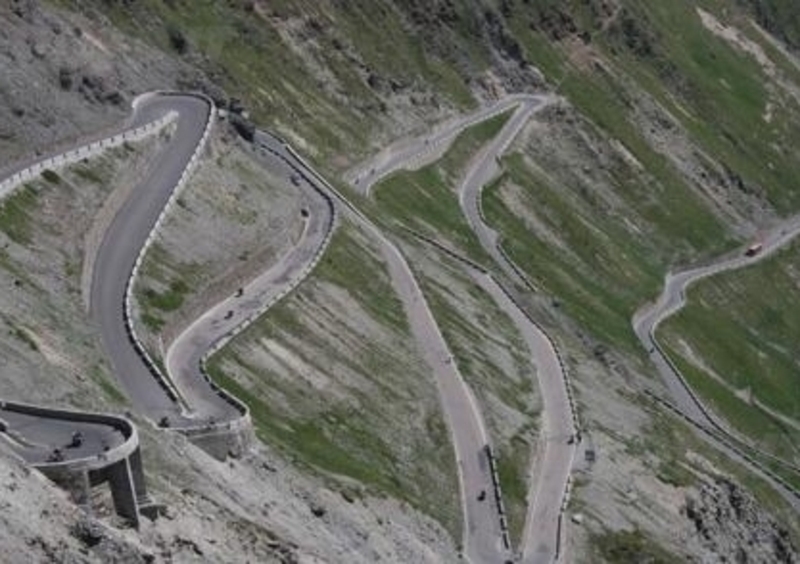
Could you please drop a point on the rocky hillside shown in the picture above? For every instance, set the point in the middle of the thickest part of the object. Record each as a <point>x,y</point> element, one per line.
<point>675,140</point>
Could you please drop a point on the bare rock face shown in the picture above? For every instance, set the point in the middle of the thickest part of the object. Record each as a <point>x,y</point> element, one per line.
<point>732,527</point>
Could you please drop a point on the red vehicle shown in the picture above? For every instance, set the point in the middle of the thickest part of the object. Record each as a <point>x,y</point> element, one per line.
<point>754,249</point>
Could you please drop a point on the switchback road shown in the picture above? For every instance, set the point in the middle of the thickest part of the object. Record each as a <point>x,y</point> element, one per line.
<point>547,489</point>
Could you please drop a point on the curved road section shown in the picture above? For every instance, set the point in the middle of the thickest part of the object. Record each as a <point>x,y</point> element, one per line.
<point>673,298</point>
<point>540,542</point>
<point>35,433</point>
<point>417,152</point>
<point>485,523</point>
<point>117,255</point>
<point>483,170</point>
<point>670,301</point>
<point>75,448</point>
<point>186,355</point>
<point>483,538</point>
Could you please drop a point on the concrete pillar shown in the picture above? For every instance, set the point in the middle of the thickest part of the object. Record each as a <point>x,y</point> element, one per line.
<point>80,489</point>
<point>120,479</point>
<point>140,488</point>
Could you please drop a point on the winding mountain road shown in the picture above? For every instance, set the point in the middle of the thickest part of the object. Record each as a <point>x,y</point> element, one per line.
<point>188,400</point>
<point>224,320</point>
<point>483,539</point>
<point>121,246</point>
<point>558,432</point>
<point>671,300</point>
<point>36,433</point>
<point>540,541</point>
<point>413,153</point>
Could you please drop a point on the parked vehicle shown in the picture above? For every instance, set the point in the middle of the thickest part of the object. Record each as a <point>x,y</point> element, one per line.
<point>754,249</point>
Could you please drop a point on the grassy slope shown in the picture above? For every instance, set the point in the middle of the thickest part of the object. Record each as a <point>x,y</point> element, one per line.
<point>248,207</point>
<point>714,91</point>
<point>608,268</point>
<point>375,418</point>
<point>744,326</point>
<point>250,53</point>
<point>426,200</point>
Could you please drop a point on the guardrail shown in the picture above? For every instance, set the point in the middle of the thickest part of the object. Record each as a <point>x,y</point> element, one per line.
<point>498,497</point>
<point>561,363</point>
<point>710,417</point>
<point>564,372</point>
<point>502,106</point>
<point>329,229</point>
<point>166,383</point>
<point>447,250</point>
<point>431,147</point>
<point>83,152</point>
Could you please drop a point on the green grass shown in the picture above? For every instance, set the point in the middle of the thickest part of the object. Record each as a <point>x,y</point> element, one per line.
<point>625,547</point>
<point>169,285</point>
<point>604,267</point>
<point>426,200</point>
<point>345,264</point>
<point>669,440</point>
<point>725,93</point>
<point>251,58</point>
<point>15,214</point>
<point>110,389</point>
<point>89,172</point>
<point>22,334</point>
<point>354,451</point>
<point>152,321</point>
<point>170,300</point>
<point>744,326</point>
<point>351,434</point>
<point>513,462</point>
<point>334,442</point>
<point>51,176</point>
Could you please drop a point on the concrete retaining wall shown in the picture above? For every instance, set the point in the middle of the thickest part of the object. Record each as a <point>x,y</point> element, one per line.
<point>120,466</point>
<point>121,424</point>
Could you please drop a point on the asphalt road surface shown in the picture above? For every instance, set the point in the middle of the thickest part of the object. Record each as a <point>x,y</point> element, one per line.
<point>117,254</point>
<point>539,541</point>
<point>670,301</point>
<point>415,152</point>
<point>35,438</point>
<point>220,321</point>
<point>484,169</point>
<point>482,536</point>
<point>673,298</point>
<point>557,434</point>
